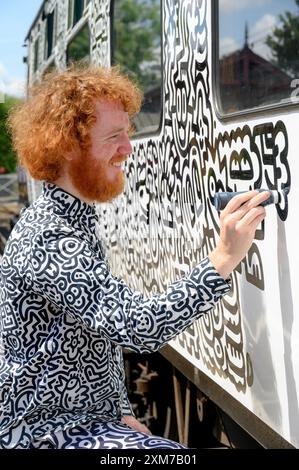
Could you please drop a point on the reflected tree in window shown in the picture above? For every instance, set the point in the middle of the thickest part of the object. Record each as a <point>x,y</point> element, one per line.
<point>137,38</point>
<point>79,48</point>
<point>284,42</point>
<point>137,49</point>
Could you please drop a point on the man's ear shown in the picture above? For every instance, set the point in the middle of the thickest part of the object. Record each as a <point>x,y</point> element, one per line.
<point>71,155</point>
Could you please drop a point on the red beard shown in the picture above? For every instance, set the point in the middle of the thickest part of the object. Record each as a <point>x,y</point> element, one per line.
<point>95,179</point>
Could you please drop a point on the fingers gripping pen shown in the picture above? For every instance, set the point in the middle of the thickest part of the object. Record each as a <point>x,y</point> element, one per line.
<point>222,199</point>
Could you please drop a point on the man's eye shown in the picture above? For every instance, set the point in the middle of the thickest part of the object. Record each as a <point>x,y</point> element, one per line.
<point>113,137</point>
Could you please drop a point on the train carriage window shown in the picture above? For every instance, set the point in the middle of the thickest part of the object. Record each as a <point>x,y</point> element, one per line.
<point>79,47</point>
<point>78,10</point>
<point>136,47</point>
<point>50,33</point>
<point>75,11</point>
<point>36,55</point>
<point>258,59</point>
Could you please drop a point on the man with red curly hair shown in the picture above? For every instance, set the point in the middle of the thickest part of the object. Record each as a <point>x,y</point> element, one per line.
<point>65,318</point>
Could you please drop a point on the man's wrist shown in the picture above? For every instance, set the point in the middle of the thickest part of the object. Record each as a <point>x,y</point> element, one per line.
<point>223,263</point>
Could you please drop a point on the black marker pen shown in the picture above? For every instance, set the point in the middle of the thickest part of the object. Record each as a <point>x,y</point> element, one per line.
<point>222,199</point>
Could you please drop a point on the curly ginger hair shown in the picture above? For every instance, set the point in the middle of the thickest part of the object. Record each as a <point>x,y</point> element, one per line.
<point>59,113</point>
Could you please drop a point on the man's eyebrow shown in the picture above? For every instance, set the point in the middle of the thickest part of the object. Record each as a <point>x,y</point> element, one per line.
<point>116,130</point>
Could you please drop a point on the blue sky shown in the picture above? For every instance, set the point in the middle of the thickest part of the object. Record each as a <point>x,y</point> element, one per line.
<point>16,17</point>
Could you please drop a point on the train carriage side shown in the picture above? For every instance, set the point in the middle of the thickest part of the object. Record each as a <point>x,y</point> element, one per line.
<point>219,115</point>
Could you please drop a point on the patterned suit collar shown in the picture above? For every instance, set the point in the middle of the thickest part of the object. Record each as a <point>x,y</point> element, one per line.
<point>77,212</point>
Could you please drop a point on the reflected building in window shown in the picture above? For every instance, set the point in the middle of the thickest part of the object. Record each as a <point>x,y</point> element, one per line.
<point>247,80</point>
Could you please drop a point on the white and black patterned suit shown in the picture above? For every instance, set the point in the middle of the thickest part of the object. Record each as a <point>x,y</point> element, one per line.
<point>64,320</point>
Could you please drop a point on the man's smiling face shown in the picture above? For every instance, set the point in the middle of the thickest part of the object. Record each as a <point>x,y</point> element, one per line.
<point>98,174</point>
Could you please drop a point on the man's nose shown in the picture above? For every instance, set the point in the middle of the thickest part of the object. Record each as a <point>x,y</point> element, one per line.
<point>125,145</point>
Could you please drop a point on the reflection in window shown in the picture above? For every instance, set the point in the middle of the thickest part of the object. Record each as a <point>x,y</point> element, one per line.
<point>79,47</point>
<point>137,49</point>
<point>258,57</point>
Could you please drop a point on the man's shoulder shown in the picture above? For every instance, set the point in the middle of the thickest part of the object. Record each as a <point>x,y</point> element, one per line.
<point>39,224</point>
<point>41,214</point>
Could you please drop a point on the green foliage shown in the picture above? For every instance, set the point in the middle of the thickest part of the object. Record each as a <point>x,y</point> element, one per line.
<point>137,38</point>
<point>284,42</point>
<point>79,47</point>
<point>8,158</point>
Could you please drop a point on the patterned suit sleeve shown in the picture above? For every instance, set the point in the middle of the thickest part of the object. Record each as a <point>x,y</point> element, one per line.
<point>126,408</point>
<point>64,270</point>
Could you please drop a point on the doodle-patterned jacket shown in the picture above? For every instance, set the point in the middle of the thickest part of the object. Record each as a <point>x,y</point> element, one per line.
<point>65,319</point>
